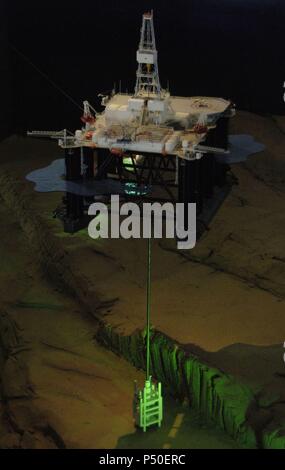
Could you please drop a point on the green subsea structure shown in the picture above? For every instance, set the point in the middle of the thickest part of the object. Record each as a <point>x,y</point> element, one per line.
<point>216,395</point>
<point>148,405</point>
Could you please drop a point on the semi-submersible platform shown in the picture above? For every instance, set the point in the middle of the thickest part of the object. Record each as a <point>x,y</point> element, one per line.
<point>156,146</point>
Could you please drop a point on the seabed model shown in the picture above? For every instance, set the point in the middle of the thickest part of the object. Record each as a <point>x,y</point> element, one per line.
<point>156,146</point>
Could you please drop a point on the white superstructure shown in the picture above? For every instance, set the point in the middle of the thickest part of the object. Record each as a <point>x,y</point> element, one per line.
<point>150,120</point>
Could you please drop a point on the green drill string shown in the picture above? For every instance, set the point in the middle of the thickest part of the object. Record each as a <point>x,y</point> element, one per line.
<point>148,308</point>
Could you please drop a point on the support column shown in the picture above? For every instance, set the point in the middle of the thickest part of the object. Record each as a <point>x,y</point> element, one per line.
<point>88,162</point>
<point>222,133</point>
<point>218,137</point>
<point>208,169</point>
<point>73,164</point>
<point>74,202</point>
<point>200,183</point>
<point>104,158</point>
<point>222,141</point>
<point>187,185</point>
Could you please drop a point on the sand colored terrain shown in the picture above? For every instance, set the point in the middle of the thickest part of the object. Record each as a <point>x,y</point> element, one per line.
<point>59,388</point>
<point>224,299</point>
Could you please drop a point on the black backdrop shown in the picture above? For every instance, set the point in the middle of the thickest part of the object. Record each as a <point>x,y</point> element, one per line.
<point>229,48</point>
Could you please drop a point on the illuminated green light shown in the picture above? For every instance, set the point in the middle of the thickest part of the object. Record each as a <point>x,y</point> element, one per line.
<point>128,162</point>
<point>148,405</point>
<point>132,189</point>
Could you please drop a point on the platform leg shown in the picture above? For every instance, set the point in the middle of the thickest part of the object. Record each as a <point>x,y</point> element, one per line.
<point>208,168</point>
<point>187,185</point>
<point>74,202</point>
<point>88,162</point>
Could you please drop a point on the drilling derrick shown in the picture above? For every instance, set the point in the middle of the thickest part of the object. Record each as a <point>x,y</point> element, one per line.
<point>148,143</point>
<point>147,83</point>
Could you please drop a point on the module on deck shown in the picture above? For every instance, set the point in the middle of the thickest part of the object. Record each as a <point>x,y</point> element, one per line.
<point>168,142</point>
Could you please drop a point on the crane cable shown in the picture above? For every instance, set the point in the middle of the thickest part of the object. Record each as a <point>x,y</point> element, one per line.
<point>44,75</point>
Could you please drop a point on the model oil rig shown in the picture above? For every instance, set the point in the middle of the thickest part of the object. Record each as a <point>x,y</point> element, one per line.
<point>156,146</point>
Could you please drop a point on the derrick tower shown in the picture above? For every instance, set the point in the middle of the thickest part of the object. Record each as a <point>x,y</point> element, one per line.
<point>147,83</point>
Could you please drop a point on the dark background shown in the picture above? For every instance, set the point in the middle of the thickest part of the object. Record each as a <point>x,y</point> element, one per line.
<point>229,48</point>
